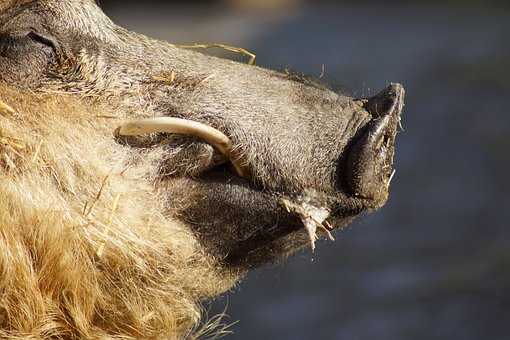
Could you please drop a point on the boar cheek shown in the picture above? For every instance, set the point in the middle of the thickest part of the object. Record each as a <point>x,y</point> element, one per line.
<point>236,223</point>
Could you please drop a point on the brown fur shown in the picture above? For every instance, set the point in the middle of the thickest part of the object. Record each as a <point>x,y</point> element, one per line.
<point>74,262</point>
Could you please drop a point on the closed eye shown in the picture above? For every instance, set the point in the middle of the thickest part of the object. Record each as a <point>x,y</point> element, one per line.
<point>43,39</point>
<point>10,43</point>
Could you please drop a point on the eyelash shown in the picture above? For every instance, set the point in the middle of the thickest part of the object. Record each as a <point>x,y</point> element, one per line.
<point>41,39</point>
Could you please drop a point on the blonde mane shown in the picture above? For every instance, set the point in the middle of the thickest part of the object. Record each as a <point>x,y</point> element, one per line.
<point>85,248</point>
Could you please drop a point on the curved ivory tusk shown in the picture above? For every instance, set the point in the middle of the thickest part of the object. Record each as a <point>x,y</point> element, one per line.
<point>184,127</point>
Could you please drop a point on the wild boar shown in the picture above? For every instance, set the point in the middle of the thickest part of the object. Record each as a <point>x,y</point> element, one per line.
<point>139,178</point>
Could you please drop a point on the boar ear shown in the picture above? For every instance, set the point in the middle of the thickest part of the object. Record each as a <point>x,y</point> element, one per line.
<point>370,158</point>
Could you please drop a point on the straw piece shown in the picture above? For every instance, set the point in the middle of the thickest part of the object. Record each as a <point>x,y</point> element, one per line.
<point>252,56</point>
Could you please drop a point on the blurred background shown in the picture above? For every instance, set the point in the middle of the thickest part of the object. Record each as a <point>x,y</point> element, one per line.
<point>435,262</point>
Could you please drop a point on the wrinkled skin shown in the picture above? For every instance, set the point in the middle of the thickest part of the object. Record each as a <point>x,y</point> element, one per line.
<point>304,145</point>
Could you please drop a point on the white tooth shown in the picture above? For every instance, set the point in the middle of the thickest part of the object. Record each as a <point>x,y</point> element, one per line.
<point>391,176</point>
<point>185,127</point>
<point>400,124</point>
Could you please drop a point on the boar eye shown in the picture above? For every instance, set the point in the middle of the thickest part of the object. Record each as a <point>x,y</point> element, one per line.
<point>42,39</point>
<point>13,45</point>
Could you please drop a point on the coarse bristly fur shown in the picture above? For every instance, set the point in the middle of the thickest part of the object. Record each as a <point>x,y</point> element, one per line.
<point>86,251</point>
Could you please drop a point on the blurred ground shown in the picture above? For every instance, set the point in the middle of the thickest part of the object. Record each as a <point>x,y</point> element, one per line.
<point>435,262</point>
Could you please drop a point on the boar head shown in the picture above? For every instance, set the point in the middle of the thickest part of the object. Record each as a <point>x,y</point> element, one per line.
<point>300,157</point>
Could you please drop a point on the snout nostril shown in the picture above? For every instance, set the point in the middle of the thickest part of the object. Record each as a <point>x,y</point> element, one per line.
<point>368,169</point>
<point>386,140</point>
<point>385,101</point>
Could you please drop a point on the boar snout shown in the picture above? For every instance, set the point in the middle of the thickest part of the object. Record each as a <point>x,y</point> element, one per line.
<point>369,163</point>
<point>355,142</point>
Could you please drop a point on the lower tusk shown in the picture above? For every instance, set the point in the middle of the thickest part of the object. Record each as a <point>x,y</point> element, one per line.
<point>185,127</point>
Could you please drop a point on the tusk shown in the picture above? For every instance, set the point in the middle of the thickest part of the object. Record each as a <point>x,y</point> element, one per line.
<point>185,127</point>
